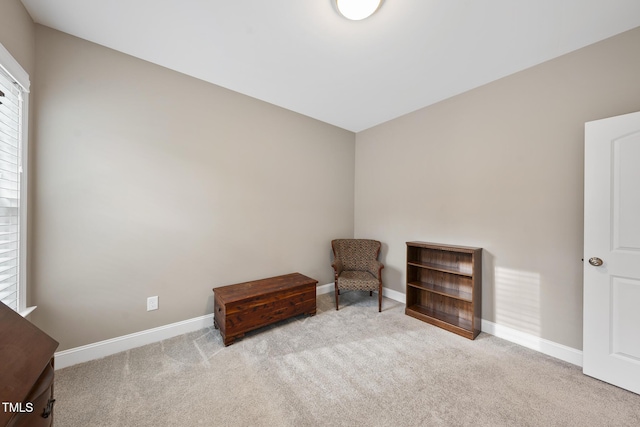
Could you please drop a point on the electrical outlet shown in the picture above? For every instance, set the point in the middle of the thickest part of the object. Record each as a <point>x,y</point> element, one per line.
<point>152,303</point>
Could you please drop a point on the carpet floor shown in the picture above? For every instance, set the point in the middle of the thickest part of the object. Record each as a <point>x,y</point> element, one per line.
<point>352,367</point>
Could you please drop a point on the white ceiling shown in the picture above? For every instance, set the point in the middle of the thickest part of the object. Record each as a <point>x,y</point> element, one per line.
<point>303,56</point>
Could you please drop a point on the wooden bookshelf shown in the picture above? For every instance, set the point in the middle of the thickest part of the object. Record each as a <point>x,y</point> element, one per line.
<point>444,286</point>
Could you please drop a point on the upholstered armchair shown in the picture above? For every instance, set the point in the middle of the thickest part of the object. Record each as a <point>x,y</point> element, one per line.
<point>357,267</point>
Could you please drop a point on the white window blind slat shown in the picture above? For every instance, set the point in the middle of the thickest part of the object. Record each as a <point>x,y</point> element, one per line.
<point>8,134</point>
<point>6,155</point>
<point>7,270</point>
<point>8,297</point>
<point>8,147</point>
<point>9,113</point>
<point>7,126</point>
<point>6,184</point>
<point>8,168</point>
<point>10,103</point>
<point>7,287</point>
<point>12,106</point>
<point>10,161</point>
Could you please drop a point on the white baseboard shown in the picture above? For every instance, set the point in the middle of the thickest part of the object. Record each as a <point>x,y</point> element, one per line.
<point>105,348</point>
<point>550,348</point>
<point>394,295</point>
<point>325,289</point>
<point>108,347</point>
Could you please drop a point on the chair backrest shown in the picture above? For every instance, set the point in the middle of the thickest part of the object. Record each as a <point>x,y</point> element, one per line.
<point>355,254</point>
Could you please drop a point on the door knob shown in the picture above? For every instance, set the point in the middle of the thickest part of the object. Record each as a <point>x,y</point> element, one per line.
<point>595,261</point>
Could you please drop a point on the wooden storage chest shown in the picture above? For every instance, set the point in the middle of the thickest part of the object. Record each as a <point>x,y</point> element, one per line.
<point>243,307</point>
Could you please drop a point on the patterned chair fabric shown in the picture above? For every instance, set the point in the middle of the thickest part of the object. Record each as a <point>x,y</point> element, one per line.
<point>357,267</point>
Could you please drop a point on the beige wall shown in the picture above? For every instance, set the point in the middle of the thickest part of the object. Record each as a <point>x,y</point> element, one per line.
<point>501,167</point>
<point>150,182</point>
<point>17,33</point>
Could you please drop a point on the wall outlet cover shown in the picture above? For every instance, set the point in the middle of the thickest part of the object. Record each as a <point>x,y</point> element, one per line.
<point>152,303</point>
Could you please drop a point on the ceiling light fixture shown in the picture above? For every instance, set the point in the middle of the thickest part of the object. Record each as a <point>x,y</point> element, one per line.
<point>357,9</point>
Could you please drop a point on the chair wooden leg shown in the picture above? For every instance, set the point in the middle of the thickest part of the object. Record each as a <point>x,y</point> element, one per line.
<point>380,298</point>
<point>370,293</point>
<point>337,292</point>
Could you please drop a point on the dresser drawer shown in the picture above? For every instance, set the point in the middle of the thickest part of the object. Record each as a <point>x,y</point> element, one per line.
<point>41,397</point>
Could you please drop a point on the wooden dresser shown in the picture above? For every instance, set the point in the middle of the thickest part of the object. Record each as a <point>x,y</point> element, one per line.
<point>26,372</point>
<point>247,306</point>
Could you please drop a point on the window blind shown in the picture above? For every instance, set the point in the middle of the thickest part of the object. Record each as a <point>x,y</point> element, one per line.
<point>10,168</point>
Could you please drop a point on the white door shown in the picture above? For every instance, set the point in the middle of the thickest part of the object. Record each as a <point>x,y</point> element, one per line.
<point>611,348</point>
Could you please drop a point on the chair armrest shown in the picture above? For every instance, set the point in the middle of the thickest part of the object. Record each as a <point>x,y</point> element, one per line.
<point>337,266</point>
<point>375,267</point>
